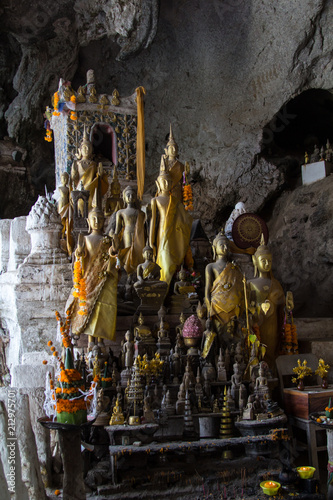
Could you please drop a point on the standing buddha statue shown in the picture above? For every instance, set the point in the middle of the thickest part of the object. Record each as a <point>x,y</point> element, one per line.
<point>224,293</point>
<point>173,166</point>
<point>170,228</point>
<point>86,171</point>
<point>131,221</point>
<point>269,299</point>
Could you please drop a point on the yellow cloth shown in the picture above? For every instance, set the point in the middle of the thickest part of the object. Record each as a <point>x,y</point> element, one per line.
<point>172,247</point>
<point>101,298</point>
<point>270,324</point>
<point>227,294</point>
<point>140,142</point>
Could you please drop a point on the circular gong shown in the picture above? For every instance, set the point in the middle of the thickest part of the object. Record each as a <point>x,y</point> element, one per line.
<point>247,230</point>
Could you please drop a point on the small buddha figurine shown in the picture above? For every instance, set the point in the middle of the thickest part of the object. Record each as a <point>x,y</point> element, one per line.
<point>115,202</point>
<point>315,155</point>
<point>96,368</point>
<point>224,291</point>
<point>179,328</point>
<point>117,417</point>
<point>221,371</point>
<point>269,299</point>
<point>170,228</point>
<point>148,271</point>
<point>236,381</point>
<point>180,404</point>
<point>188,378</point>
<point>63,202</point>
<point>198,386</point>
<point>261,387</point>
<point>183,286</point>
<point>176,364</point>
<point>248,412</point>
<point>131,220</point>
<point>148,414</point>
<point>128,349</point>
<point>238,357</point>
<point>141,330</point>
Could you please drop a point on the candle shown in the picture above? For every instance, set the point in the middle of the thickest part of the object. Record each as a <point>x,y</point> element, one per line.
<point>304,468</point>
<point>270,484</point>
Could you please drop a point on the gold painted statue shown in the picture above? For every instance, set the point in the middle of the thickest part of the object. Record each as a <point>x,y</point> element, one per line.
<point>224,293</point>
<point>64,210</point>
<point>170,228</point>
<point>268,295</point>
<point>101,278</point>
<point>86,171</point>
<point>173,166</point>
<point>115,202</point>
<point>141,330</point>
<point>131,220</point>
<point>148,271</point>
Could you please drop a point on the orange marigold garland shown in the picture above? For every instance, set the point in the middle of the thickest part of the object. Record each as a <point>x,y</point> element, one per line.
<point>187,189</point>
<point>77,276</point>
<point>73,113</point>
<point>56,102</point>
<point>83,297</point>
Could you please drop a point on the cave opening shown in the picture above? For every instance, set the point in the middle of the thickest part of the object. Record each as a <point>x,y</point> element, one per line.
<point>301,124</point>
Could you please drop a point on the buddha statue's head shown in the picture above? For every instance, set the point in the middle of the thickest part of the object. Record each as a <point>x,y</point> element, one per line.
<point>64,178</point>
<point>171,149</point>
<point>96,219</point>
<point>129,195</point>
<point>86,147</point>
<point>262,259</point>
<point>220,246</point>
<point>147,253</point>
<point>164,182</point>
<point>115,188</point>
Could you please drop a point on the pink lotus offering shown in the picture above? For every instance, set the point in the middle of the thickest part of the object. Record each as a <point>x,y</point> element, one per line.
<point>192,327</point>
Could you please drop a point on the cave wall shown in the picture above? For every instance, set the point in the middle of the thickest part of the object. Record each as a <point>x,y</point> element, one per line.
<point>218,71</point>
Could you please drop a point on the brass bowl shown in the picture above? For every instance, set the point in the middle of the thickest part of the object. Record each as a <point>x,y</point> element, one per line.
<point>191,341</point>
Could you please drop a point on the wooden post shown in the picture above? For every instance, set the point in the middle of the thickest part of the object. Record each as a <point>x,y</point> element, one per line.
<point>70,446</point>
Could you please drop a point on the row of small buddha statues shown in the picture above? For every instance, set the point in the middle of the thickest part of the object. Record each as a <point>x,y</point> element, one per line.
<point>228,379</point>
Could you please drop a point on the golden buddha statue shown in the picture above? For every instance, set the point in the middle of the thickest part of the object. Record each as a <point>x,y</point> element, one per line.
<point>63,207</point>
<point>130,220</point>
<point>268,295</point>
<point>173,166</point>
<point>148,270</point>
<point>86,171</point>
<point>170,228</point>
<point>117,415</point>
<point>224,293</point>
<point>183,286</point>
<point>101,278</point>
<point>115,202</point>
<point>141,330</point>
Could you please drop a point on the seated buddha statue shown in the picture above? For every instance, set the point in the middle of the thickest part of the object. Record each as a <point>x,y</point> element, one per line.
<point>142,331</point>
<point>269,299</point>
<point>149,288</point>
<point>224,294</point>
<point>130,222</point>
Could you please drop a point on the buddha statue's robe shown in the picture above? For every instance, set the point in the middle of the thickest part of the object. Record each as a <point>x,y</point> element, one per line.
<point>101,279</point>
<point>270,324</point>
<point>86,171</point>
<point>132,256</point>
<point>227,295</point>
<point>173,239</point>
